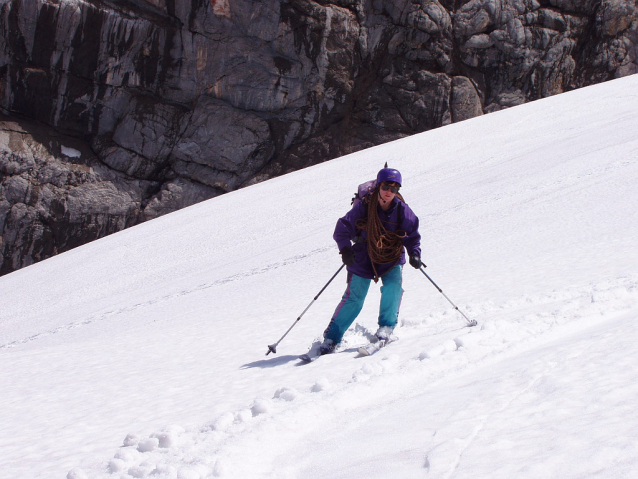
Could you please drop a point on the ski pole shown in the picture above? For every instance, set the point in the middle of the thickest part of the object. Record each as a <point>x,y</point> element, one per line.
<point>272,348</point>
<point>470,322</point>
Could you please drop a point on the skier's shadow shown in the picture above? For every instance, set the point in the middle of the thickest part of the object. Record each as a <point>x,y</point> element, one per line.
<point>270,363</point>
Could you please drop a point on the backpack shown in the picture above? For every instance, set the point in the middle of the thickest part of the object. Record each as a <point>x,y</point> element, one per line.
<point>363,190</point>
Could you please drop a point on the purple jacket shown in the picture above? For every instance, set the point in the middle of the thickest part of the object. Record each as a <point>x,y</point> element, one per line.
<point>398,217</point>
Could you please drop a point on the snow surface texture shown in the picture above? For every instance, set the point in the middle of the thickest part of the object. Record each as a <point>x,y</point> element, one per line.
<point>143,354</point>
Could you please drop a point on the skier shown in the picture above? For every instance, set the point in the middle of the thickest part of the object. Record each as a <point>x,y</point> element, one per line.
<point>380,226</point>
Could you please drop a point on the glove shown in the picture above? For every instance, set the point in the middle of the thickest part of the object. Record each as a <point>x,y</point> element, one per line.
<point>347,255</point>
<point>415,261</point>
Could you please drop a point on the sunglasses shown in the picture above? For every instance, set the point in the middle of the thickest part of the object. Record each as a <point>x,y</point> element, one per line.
<point>393,189</point>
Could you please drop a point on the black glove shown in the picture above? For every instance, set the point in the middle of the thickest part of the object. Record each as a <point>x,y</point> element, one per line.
<point>347,255</point>
<point>415,261</point>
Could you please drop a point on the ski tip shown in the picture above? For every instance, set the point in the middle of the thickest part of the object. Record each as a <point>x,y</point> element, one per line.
<point>363,351</point>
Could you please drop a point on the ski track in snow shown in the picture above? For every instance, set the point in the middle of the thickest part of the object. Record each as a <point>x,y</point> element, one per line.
<point>116,312</point>
<point>221,448</point>
<point>464,444</point>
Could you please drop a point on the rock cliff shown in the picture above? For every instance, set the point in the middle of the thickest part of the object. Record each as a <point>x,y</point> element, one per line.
<point>120,111</point>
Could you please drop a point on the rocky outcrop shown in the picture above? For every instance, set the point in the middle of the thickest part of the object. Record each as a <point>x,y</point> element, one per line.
<point>56,195</point>
<point>174,102</point>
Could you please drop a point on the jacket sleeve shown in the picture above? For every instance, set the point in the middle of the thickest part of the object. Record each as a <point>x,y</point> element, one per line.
<point>346,230</point>
<point>412,241</point>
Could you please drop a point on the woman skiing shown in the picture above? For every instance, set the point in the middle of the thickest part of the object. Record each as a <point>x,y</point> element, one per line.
<point>381,226</point>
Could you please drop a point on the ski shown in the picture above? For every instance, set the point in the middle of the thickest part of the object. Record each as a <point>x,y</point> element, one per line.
<point>312,354</point>
<point>367,350</point>
<point>307,358</point>
<point>370,349</point>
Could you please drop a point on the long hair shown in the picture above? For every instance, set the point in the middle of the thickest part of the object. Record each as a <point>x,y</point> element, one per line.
<point>384,246</point>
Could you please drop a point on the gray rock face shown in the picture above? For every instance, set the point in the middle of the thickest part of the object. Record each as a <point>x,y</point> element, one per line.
<point>172,102</point>
<point>55,195</point>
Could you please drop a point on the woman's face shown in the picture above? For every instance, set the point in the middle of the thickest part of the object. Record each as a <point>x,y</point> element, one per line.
<point>388,191</point>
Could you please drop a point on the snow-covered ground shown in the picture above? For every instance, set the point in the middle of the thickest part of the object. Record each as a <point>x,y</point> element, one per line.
<point>143,354</point>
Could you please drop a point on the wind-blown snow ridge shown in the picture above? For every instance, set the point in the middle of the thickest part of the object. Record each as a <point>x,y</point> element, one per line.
<point>143,354</point>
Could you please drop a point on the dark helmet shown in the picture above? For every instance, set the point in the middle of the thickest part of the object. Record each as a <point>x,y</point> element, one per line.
<point>389,174</point>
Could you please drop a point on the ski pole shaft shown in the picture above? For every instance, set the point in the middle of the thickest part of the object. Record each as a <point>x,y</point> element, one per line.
<point>272,348</point>
<point>470,322</point>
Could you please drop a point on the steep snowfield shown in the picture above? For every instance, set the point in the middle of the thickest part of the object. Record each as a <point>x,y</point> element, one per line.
<point>143,354</point>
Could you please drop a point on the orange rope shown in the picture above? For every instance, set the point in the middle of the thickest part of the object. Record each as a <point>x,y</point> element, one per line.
<point>384,246</point>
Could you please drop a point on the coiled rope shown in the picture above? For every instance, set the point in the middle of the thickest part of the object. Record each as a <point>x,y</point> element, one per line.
<point>384,246</point>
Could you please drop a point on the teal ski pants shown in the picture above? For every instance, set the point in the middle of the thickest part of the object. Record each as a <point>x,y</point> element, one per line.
<point>352,302</point>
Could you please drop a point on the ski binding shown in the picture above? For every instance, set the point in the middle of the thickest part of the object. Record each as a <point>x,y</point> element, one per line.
<point>371,348</point>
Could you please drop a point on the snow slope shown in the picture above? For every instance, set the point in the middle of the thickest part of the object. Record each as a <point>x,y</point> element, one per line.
<point>143,354</point>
